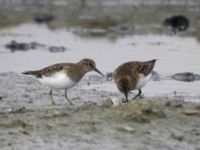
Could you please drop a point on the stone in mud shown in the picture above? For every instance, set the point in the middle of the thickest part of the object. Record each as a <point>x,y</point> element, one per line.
<point>186,77</point>
<point>43,18</point>
<point>21,46</point>
<point>176,23</point>
<point>55,49</point>
<point>190,112</point>
<point>111,102</point>
<point>16,46</point>
<point>125,128</point>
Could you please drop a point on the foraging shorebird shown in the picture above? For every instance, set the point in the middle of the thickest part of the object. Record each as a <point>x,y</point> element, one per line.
<point>63,75</point>
<point>133,76</point>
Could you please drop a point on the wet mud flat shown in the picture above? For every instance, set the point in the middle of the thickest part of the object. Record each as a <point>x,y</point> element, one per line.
<point>29,121</point>
<point>145,124</point>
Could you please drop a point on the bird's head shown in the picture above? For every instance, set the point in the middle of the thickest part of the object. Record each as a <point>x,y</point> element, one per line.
<point>89,65</point>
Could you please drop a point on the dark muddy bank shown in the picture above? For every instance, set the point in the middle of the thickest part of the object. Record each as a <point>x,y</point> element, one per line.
<point>101,18</point>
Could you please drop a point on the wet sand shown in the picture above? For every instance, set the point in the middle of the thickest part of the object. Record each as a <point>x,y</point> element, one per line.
<point>29,121</point>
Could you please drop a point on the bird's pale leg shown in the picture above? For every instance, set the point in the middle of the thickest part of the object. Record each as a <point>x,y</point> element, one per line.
<point>66,97</point>
<point>139,93</point>
<point>51,97</point>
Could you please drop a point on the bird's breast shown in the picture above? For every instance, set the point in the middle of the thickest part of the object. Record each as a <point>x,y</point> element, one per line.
<point>59,80</point>
<point>142,81</point>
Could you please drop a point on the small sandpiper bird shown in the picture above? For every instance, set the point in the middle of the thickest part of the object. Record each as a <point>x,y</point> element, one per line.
<point>63,75</point>
<point>133,76</point>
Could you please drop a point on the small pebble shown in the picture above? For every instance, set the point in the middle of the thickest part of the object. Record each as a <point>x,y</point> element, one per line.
<point>125,128</point>
<point>115,101</point>
<point>190,112</point>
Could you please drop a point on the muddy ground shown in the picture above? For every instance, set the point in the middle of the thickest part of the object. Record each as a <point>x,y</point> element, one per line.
<point>29,121</point>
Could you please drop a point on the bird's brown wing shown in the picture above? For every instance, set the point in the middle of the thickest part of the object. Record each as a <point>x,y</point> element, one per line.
<point>143,67</point>
<point>48,71</point>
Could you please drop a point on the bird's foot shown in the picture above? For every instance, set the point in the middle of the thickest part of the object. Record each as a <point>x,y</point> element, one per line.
<point>140,96</point>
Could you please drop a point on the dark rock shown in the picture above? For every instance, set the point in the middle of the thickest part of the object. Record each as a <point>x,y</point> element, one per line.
<point>55,49</point>
<point>43,18</point>
<point>17,46</point>
<point>177,23</point>
<point>186,77</point>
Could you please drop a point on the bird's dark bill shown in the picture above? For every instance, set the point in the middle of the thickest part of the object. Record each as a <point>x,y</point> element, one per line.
<point>95,69</point>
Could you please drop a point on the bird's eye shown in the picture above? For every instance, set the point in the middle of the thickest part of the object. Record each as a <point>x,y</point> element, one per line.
<point>91,64</point>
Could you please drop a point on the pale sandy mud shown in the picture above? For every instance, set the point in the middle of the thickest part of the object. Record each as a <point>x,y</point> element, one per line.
<point>29,121</point>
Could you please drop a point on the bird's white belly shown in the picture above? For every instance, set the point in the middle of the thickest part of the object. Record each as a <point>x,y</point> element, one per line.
<point>142,81</point>
<point>58,81</point>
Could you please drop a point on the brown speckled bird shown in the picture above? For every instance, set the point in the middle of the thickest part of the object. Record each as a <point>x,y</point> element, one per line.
<point>133,76</point>
<point>64,75</point>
